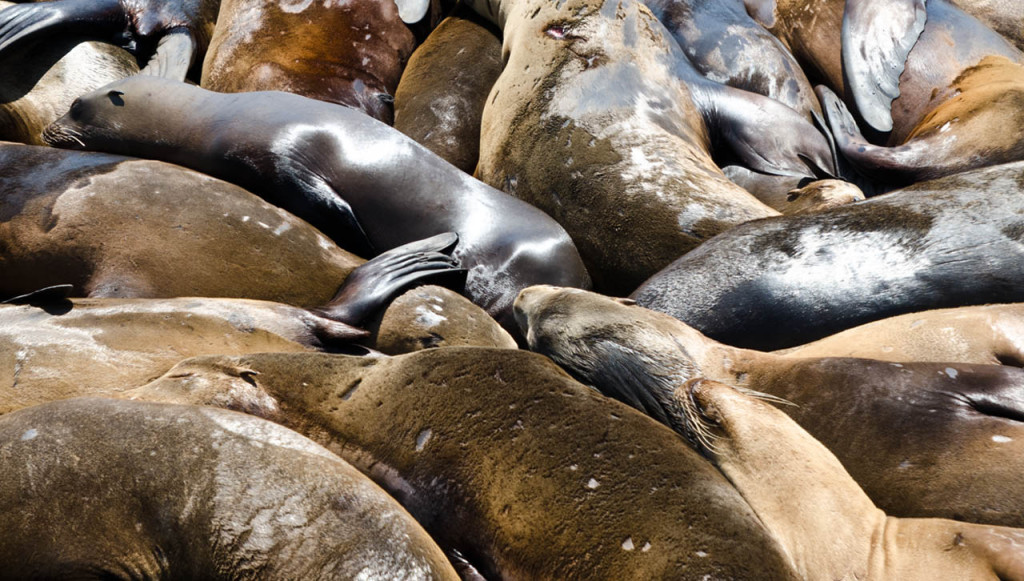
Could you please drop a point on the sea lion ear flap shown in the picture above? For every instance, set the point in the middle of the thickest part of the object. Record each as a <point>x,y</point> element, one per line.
<point>115,97</point>
<point>412,11</point>
<point>877,37</point>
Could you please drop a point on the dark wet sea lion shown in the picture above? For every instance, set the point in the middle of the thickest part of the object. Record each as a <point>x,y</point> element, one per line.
<point>181,492</point>
<point>1004,16</point>
<point>503,457</point>
<point>350,53</point>
<point>353,177</point>
<point>41,79</point>
<point>173,32</point>
<point>728,46</point>
<point>441,97</point>
<point>785,281</point>
<point>958,451</point>
<point>119,227</point>
<point>599,120</point>
<point>828,526</point>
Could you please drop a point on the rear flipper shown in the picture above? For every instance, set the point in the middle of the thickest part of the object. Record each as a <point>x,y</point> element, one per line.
<point>99,18</point>
<point>919,159</point>
<point>372,285</point>
<point>173,56</point>
<point>765,135</point>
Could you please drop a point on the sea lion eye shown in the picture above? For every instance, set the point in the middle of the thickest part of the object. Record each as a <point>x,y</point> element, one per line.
<point>76,109</point>
<point>115,98</point>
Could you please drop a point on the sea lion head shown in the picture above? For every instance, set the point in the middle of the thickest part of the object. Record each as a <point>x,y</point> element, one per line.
<point>623,350</point>
<point>113,118</point>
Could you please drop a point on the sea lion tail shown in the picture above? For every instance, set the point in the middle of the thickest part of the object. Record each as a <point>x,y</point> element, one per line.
<point>373,284</point>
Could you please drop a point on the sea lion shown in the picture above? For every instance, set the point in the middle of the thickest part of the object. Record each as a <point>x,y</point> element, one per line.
<point>181,492</point>
<point>41,79</point>
<point>170,34</point>
<point>431,316</point>
<point>940,90</point>
<point>350,53</point>
<point>440,99</point>
<point>1004,16</point>
<point>785,281</point>
<point>366,184</point>
<point>503,457</point>
<point>728,46</point>
<point>599,120</point>
<point>828,526</point>
<point>990,334</point>
<point>117,227</point>
<point>959,449</point>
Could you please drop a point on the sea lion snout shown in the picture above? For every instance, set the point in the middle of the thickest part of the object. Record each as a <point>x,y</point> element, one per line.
<point>528,301</point>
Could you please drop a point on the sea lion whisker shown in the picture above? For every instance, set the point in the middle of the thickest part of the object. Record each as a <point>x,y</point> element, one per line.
<point>765,396</point>
<point>696,427</point>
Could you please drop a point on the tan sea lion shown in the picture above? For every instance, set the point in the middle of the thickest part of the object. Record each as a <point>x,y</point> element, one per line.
<point>170,34</point>
<point>599,120</point>
<point>959,449</point>
<point>505,458</point>
<point>829,528</point>
<point>431,316</point>
<point>106,489</point>
<point>119,227</point>
<point>440,99</point>
<point>351,53</point>
<point>41,79</point>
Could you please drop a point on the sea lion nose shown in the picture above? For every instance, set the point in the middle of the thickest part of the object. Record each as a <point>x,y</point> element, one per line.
<point>525,302</point>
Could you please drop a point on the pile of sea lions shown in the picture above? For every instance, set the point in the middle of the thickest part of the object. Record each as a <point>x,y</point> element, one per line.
<point>524,289</point>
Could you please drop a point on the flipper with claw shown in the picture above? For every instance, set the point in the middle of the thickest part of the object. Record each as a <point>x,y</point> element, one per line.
<point>372,285</point>
<point>877,37</point>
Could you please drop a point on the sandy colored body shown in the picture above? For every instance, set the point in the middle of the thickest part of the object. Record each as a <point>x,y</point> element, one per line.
<point>502,456</point>
<point>960,443</point>
<point>181,492</point>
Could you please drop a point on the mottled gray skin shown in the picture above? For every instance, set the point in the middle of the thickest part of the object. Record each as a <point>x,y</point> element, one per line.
<point>106,489</point>
<point>354,178</point>
<point>958,451</point>
<point>728,46</point>
<point>440,99</point>
<point>503,457</point>
<point>42,78</point>
<point>780,282</point>
<point>599,120</point>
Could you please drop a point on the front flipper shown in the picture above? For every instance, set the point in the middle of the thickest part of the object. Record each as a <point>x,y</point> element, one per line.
<point>373,284</point>
<point>99,18</point>
<point>765,135</point>
<point>877,37</point>
<point>173,56</point>
<point>412,11</point>
<point>50,294</point>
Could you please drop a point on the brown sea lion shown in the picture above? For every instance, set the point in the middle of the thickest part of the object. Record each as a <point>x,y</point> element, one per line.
<point>786,281</point>
<point>350,53</point>
<point>119,227</point>
<point>830,529</point>
<point>959,449</point>
<point>172,35</point>
<point>503,457</point>
<point>599,120</point>
<point>440,99</point>
<point>433,316</point>
<point>356,179</point>
<point>41,79</point>
<point>106,489</point>
<point>943,90</point>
